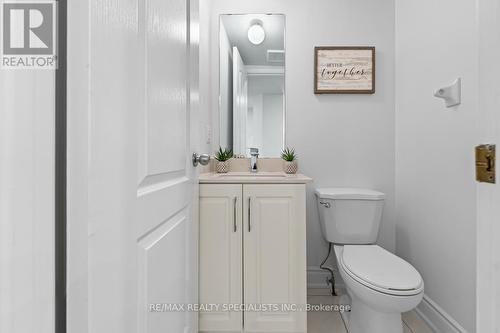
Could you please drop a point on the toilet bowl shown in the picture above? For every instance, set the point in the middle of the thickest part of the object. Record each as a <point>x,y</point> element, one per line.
<point>380,284</point>
<point>381,287</point>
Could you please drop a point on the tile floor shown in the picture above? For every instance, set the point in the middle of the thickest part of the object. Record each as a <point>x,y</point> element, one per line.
<point>331,322</point>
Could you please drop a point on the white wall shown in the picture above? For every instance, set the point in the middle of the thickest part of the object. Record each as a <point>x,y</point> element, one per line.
<point>436,42</point>
<point>342,140</point>
<point>27,156</point>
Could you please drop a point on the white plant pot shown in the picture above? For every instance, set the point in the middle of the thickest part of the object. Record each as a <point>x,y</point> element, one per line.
<point>290,167</point>
<point>222,167</point>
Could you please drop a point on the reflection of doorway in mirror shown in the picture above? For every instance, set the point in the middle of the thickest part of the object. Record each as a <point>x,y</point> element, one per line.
<point>240,98</point>
<point>265,114</point>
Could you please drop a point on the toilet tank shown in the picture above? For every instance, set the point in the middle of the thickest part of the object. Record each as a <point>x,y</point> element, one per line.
<point>350,215</point>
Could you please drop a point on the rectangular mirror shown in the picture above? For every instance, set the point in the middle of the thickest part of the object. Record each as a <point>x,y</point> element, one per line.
<point>252,83</point>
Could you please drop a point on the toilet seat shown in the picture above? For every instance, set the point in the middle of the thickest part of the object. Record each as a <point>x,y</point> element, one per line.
<point>380,270</point>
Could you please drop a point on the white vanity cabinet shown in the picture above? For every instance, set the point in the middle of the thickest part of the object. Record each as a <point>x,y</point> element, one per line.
<point>253,252</point>
<point>220,255</point>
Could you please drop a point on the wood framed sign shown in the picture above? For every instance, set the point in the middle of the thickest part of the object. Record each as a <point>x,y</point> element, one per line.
<point>344,70</point>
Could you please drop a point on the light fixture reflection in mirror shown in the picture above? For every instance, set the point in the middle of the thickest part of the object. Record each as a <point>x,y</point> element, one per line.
<point>256,33</point>
<point>252,83</point>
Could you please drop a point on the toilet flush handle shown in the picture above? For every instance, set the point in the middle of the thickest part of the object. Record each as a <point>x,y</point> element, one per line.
<point>326,204</point>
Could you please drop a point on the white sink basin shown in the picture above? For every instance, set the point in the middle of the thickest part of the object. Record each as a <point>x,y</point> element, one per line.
<point>252,174</point>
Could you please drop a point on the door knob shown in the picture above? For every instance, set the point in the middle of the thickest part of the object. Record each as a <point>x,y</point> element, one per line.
<point>202,159</point>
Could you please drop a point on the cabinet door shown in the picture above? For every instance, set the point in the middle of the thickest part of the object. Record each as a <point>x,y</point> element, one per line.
<point>274,256</point>
<point>220,277</point>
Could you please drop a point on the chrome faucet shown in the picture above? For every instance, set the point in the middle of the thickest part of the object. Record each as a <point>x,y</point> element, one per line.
<point>254,155</point>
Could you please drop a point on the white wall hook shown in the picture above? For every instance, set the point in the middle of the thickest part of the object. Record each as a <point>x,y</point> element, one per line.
<point>451,94</point>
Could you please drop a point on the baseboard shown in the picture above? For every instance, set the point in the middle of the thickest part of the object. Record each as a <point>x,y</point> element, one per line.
<point>436,318</point>
<point>316,278</point>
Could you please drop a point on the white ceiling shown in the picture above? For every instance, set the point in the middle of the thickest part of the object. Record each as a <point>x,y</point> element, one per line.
<point>237,27</point>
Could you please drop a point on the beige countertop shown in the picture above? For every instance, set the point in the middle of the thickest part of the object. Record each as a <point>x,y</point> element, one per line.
<point>253,178</point>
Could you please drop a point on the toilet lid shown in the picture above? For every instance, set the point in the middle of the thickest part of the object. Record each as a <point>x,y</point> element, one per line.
<point>379,268</point>
<point>339,193</point>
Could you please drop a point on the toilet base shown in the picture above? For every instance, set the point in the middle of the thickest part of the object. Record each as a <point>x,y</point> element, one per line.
<point>364,319</point>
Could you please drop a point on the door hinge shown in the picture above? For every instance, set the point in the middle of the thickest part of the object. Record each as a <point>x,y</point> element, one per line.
<point>485,163</point>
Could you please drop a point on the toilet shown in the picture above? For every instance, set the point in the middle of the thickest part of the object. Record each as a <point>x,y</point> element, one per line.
<point>380,284</point>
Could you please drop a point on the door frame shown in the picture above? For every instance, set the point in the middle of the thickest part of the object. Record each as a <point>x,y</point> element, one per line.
<point>78,104</point>
<point>488,195</point>
<point>60,172</point>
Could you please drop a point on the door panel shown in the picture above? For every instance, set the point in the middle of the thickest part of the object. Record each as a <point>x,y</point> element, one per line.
<point>160,284</point>
<point>274,255</point>
<point>165,33</point>
<point>221,255</point>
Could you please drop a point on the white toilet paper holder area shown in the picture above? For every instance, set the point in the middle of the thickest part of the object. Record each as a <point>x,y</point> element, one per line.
<point>451,94</point>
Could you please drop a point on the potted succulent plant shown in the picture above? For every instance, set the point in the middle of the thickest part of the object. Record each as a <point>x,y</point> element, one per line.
<point>222,156</point>
<point>290,158</point>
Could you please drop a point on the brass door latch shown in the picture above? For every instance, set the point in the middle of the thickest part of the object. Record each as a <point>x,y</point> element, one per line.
<point>485,163</point>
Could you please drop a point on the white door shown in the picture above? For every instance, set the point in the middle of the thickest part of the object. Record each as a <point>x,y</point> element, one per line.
<point>274,256</point>
<point>240,97</point>
<point>221,250</point>
<point>132,75</point>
